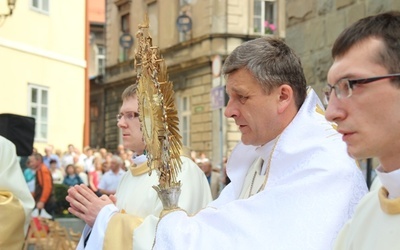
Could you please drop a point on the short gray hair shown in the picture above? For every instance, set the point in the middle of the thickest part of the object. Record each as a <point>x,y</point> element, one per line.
<point>117,159</point>
<point>272,63</point>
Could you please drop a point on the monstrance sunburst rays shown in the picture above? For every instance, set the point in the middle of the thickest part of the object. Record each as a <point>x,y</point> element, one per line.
<point>157,111</point>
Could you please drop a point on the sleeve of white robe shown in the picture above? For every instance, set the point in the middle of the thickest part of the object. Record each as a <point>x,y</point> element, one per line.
<point>12,178</point>
<point>305,215</point>
<point>98,231</point>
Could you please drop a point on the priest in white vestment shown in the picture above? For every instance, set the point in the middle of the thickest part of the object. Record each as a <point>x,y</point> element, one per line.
<point>16,202</point>
<point>131,222</point>
<point>293,186</point>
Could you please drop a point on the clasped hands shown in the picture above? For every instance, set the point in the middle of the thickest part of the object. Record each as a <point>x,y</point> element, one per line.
<point>85,204</point>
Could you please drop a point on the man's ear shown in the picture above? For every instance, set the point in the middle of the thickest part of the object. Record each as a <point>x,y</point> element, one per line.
<point>286,97</point>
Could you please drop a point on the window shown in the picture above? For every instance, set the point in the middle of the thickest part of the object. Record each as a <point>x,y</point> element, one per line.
<point>264,19</point>
<point>184,119</point>
<point>101,60</point>
<point>125,29</point>
<point>40,5</point>
<point>38,109</point>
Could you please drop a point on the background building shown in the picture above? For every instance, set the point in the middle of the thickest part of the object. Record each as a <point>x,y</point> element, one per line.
<point>97,64</point>
<point>194,52</point>
<point>42,68</point>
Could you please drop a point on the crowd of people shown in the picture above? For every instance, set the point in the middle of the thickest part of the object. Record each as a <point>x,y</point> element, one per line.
<point>100,170</point>
<point>216,175</point>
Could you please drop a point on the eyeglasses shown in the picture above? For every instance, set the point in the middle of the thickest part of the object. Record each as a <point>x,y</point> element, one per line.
<point>128,115</point>
<point>343,88</point>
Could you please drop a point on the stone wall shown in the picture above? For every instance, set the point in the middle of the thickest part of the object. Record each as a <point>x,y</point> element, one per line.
<point>313,25</point>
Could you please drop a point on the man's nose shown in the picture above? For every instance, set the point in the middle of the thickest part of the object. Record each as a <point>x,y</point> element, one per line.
<point>230,111</point>
<point>334,110</point>
<point>121,122</point>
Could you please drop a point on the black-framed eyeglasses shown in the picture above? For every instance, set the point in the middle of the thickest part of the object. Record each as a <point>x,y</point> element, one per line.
<point>128,115</point>
<point>343,88</point>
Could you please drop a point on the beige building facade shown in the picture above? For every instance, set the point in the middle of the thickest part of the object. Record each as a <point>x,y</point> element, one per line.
<point>42,65</point>
<point>193,58</point>
<point>312,27</point>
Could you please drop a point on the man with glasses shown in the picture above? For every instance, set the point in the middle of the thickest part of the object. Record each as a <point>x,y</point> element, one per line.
<point>131,222</point>
<point>364,102</point>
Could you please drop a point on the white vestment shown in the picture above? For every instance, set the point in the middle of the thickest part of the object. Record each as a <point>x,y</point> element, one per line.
<point>16,202</point>
<point>135,196</point>
<point>376,222</point>
<point>375,225</point>
<point>311,190</point>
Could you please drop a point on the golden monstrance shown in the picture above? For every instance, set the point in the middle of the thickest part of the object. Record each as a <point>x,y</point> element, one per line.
<point>158,117</point>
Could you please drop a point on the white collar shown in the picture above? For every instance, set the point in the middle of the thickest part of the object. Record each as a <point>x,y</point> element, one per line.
<point>391,181</point>
<point>140,159</point>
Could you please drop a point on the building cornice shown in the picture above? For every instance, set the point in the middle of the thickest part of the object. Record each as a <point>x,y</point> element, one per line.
<point>200,39</point>
<point>27,48</point>
<point>115,72</point>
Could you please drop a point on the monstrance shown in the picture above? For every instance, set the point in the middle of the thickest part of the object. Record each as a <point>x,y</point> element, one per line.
<point>158,117</point>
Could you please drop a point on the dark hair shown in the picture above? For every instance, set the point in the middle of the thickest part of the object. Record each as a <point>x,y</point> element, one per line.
<point>272,63</point>
<point>385,27</point>
<point>52,161</point>
<point>70,166</point>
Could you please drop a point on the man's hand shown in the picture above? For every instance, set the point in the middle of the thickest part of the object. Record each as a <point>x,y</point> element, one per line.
<point>40,205</point>
<point>85,204</point>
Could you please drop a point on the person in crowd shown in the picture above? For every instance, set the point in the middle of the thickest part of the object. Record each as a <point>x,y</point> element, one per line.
<point>213,178</point>
<point>291,178</point>
<point>71,177</point>
<point>110,180</point>
<point>30,176</point>
<point>79,169</point>
<point>68,157</point>
<point>138,207</point>
<point>43,193</point>
<point>56,173</point>
<point>49,155</point>
<point>88,160</point>
<point>126,163</point>
<point>120,150</point>
<point>107,162</point>
<point>103,153</point>
<point>16,202</point>
<point>193,155</point>
<point>203,157</point>
<point>94,175</point>
<point>364,98</point>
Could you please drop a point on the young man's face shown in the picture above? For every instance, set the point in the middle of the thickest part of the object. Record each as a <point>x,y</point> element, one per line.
<point>369,119</point>
<point>254,111</point>
<point>130,126</point>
